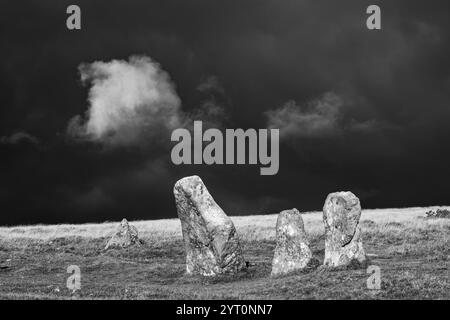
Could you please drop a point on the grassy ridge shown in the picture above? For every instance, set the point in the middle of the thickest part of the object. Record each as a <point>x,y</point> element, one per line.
<point>412,252</point>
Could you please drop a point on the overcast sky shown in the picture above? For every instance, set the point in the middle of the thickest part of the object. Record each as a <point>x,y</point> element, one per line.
<point>359,110</point>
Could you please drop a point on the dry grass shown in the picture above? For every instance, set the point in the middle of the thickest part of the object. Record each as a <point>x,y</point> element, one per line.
<point>411,251</point>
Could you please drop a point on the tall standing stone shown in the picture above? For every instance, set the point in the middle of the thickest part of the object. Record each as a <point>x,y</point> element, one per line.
<point>343,244</point>
<point>292,252</point>
<point>210,239</point>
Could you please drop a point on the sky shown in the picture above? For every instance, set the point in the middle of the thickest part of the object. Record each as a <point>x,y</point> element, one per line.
<point>86,115</point>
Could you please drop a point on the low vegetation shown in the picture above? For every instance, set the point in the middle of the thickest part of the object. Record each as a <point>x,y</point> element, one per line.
<point>411,251</point>
<point>439,213</point>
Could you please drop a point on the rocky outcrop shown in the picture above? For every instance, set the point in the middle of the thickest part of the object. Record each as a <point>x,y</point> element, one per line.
<point>125,236</point>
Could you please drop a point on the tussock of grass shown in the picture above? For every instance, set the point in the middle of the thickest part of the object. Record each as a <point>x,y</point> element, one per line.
<point>412,253</point>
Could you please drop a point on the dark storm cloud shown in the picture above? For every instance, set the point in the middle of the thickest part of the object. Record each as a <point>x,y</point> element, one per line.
<point>233,62</point>
<point>19,137</point>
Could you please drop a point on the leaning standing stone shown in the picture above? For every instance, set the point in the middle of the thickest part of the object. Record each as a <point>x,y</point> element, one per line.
<point>210,238</point>
<point>343,244</point>
<point>125,236</point>
<point>292,252</point>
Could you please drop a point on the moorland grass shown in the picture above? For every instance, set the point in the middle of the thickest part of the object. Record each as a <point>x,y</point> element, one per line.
<point>411,251</point>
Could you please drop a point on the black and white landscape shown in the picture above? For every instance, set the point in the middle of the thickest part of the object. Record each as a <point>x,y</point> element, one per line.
<point>212,149</point>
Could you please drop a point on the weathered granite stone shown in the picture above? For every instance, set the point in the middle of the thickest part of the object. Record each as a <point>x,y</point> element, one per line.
<point>292,252</point>
<point>125,236</point>
<point>343,244</point>
<point>210,239</point>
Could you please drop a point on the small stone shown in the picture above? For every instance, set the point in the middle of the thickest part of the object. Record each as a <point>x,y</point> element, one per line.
<point>292,252</point>
<point>125,236</point>
<point>343,243</point>
<point>210,238</point>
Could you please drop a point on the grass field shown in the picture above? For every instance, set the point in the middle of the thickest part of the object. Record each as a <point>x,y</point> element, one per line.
<point>412,252</point>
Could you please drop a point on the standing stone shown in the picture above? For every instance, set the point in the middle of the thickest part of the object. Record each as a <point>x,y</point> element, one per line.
<point>210,238</point>
<point>125,236</point>
<point>292,252</point>
<point>343,244</point>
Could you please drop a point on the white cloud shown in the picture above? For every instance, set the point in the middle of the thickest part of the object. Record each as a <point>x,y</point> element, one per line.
<point>319,118</point>
<point>211,84</point>
<point>130,102</point>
